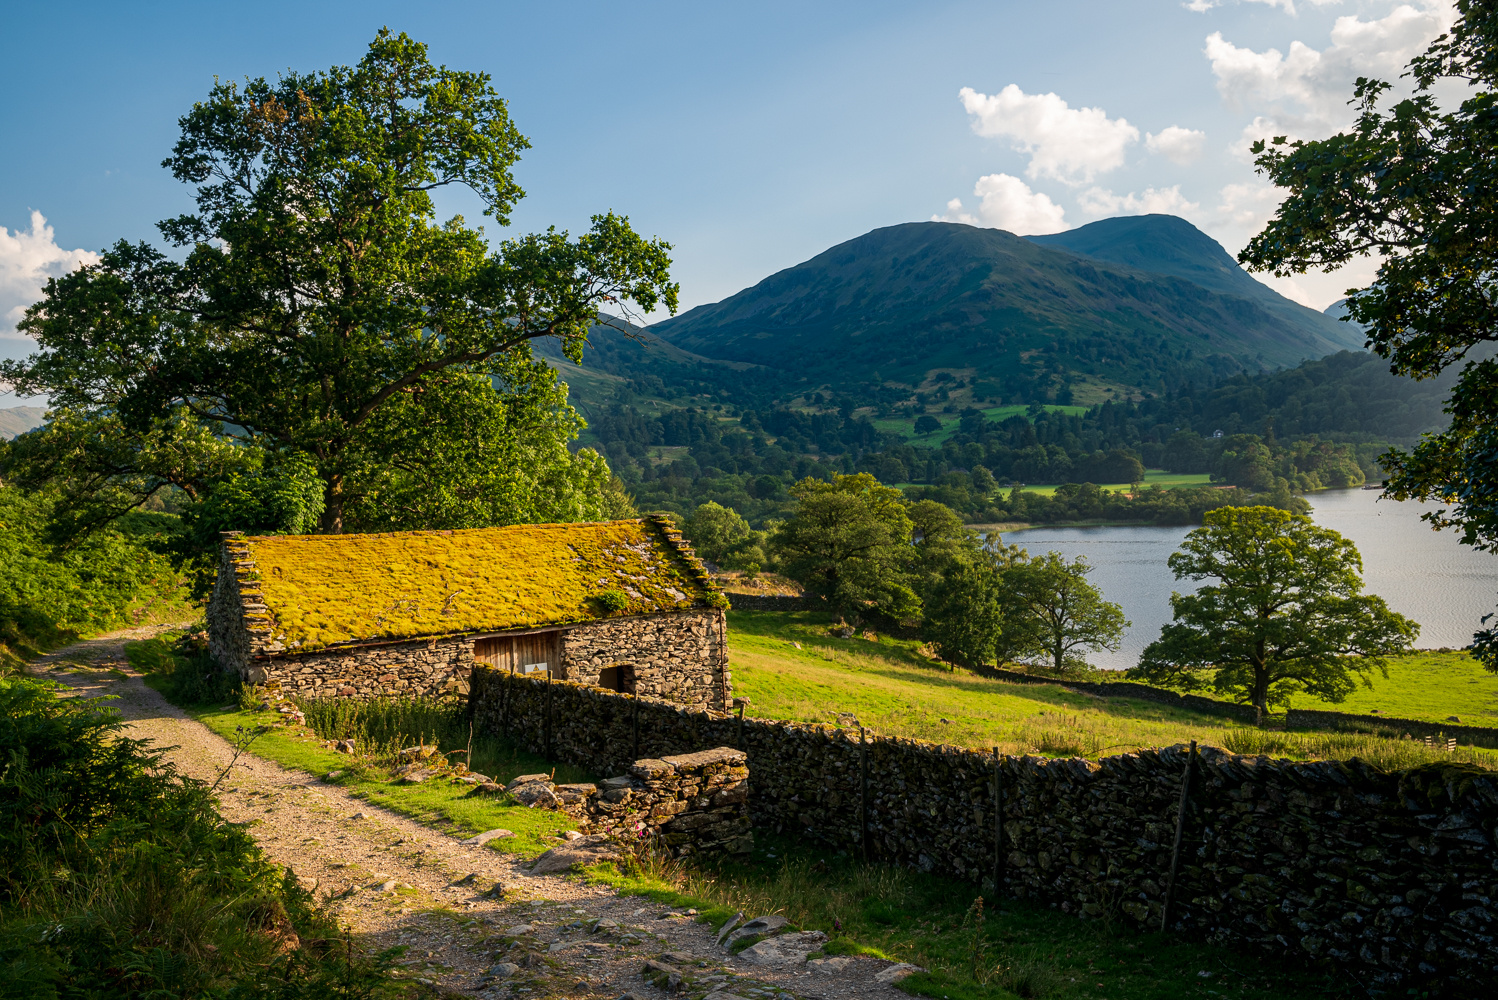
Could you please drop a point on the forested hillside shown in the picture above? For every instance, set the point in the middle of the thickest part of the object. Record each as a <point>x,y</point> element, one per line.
<point>1322,423</point>
<point>1031,323</point>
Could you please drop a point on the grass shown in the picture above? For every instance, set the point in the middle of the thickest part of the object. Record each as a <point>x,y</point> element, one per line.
<point>971,950</point>
<point>379,729</point>
<point>1152,477</point>
<point>1429,686</point>
<point>894,690</point>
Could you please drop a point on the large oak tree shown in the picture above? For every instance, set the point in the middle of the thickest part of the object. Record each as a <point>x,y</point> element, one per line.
<point>315,306</point>
<point>1415,183</point>
<point>1285,611</point>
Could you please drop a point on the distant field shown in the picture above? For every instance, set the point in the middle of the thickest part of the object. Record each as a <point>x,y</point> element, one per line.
<point>1426,686</point>
<point>895,691</point>
<point>949,421</point>
<point>1152,477</point>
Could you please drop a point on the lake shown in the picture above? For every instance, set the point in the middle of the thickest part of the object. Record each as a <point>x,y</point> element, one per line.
<point>1445,586</point>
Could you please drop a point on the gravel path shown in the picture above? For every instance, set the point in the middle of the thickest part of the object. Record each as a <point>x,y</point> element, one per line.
<point>392,881</point>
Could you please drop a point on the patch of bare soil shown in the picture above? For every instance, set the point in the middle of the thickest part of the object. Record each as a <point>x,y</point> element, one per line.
<point>473,922</point>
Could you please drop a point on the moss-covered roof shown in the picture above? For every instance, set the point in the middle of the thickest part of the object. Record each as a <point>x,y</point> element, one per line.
<point>322,590</point>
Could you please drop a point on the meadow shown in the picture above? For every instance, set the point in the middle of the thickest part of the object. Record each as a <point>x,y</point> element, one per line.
<point>1152,477</point>
<point>792,668</point>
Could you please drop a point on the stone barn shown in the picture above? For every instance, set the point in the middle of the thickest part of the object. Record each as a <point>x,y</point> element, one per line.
<point>624,605</point>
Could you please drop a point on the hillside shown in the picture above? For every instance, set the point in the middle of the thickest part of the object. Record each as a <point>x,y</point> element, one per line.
<point>1165,244</point>
<point>19,419</point>
<point>1033,322</point>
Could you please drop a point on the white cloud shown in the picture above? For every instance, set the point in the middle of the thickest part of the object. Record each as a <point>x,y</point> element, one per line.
<point>1072,145</point>
<point>1153,201</point>
<point>1248,206</point>
<point>1008,203</point>
<point>1303,93</point>
<point>27,260</point>
<point>1179,145</point>
<point>1288,6</point>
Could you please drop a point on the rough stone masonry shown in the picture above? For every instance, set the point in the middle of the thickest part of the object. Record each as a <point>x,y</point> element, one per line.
<point>1391,875</point>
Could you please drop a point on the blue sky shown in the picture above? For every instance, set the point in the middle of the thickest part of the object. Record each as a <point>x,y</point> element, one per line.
<point>750,136</point>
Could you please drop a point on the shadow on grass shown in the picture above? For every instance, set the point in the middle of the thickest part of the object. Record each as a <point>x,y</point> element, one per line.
<point>969,947</point>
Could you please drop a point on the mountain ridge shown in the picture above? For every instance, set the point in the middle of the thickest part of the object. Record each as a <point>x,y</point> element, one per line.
<point>901,301</point>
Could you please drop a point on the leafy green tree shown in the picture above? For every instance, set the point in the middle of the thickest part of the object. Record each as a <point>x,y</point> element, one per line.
<point>848,542</point>
<point>927,424</point>
<point>1412,184</point>
<point>1279,497</point>
<point>717,532</point>
<point>971,615</point>
<point>1245,461</point>
<point>1286,613</point>
<point>940,540</point>
<point>320,308</point>
<point>1065,612</point>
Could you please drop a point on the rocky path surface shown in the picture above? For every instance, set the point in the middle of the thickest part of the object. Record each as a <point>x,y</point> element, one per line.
<point>471,919</point>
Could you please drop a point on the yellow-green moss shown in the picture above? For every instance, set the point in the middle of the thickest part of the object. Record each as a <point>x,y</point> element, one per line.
<point>326,589</point>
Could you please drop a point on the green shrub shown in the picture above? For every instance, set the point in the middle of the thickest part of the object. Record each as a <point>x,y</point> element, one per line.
<point>612,602</point>
<point>50,595</point>
<point>119,879</point>
<point>193,676</point>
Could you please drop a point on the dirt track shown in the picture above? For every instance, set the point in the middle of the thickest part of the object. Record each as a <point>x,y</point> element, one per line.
<point>392,881</point>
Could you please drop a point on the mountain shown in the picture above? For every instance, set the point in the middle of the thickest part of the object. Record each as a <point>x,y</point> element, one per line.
<point>1165,244</point>
<point>898,303</point>
<point>20,419</point>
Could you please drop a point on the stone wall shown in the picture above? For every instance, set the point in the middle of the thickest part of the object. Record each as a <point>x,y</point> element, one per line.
<point>771,602</point>
<point>681,656</point>
<point>1128,689</point>
<point>691,803</point>
<point>1390,875</point>
<point>1477,736</point>
<point>429,667</point>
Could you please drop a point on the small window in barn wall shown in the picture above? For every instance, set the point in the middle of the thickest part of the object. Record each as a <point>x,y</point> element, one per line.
<point>619,677</point>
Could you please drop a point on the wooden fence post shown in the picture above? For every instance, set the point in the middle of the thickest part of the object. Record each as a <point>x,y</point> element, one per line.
<point>998,826</point>
<point>863,807</point>
<point>1175,850</point>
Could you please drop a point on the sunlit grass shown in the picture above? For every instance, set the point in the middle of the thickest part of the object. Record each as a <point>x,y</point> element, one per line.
<point>895,691</point>
<point>1426,686</point>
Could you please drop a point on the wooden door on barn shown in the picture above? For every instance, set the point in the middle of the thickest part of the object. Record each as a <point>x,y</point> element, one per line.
<point>534,653</point>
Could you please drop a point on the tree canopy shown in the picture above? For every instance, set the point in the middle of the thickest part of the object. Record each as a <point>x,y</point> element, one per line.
<point>1286,613</point>
<point>317,306</point>
<point>1414,183</point>
<point>848,542</point>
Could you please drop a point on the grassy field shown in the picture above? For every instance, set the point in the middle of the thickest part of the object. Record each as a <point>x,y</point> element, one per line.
<point>1427,686</point>
<point>949,421</point>
<point>791,668</point>
<point>1152,477</point>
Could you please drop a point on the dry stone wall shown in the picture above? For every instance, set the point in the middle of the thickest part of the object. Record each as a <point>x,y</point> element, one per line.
<point>681,656</point>
<point>1477,736</point>
<point>1391,875</point>
<point>694,803</point>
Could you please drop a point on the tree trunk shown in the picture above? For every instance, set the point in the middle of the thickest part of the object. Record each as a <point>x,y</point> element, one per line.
<point>331,522</point>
